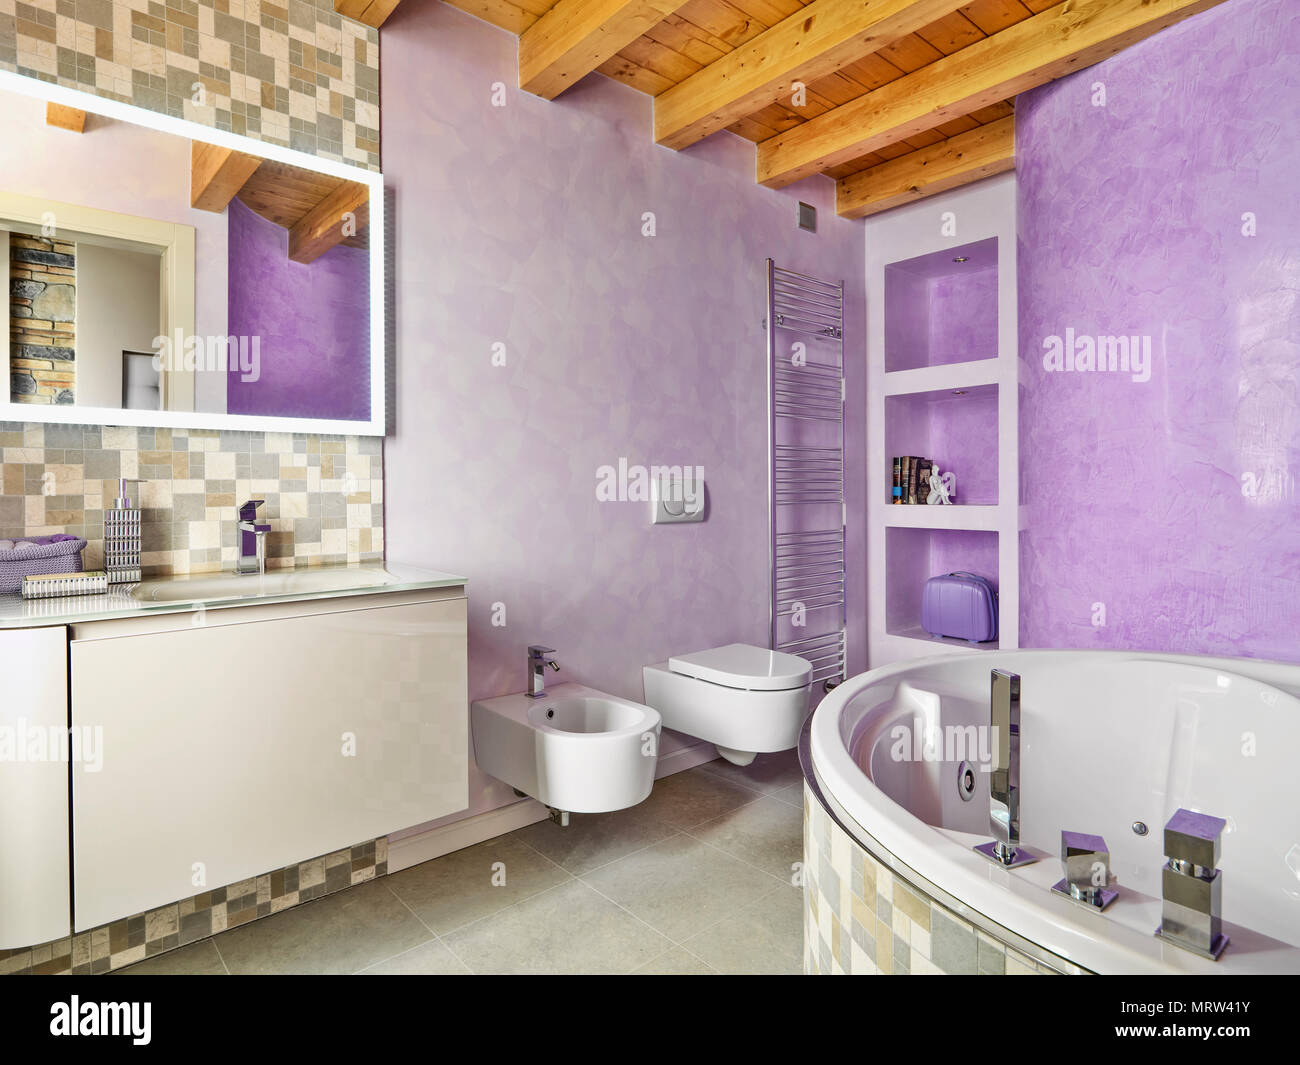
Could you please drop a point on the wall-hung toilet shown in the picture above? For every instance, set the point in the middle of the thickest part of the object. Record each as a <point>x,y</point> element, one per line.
<point>745,700</point>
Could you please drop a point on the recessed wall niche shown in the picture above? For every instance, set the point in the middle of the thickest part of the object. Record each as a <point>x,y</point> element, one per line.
<point>942,307</point>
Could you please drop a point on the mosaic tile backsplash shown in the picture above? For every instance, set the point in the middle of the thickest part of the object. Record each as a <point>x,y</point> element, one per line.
<point>861,918</point>
<point>133,939</point>
<point>324,494</point>
<point>293,73</point>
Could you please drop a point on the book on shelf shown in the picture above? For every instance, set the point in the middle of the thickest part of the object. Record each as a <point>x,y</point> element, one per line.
<point>912,476</point>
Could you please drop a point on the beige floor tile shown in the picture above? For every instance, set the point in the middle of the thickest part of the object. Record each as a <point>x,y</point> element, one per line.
<point>677,961</point>
<point>197,959</point>
<point>428,959</point>
<point>691,798</point>
<point>681,885</point>
<point>568,929</point>
<point>767,833</point>
<point>593,840</point>
<point>767,772</point>
<point>464,886</point>
<point>764,938</point>
<point>340,933</point>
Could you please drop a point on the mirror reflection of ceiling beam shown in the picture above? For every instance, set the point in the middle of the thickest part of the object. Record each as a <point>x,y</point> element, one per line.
<point>371,12</point>
<point>343,213</point>
<point>319,211</point>
<point>65,117</point>
<point>217,174</point>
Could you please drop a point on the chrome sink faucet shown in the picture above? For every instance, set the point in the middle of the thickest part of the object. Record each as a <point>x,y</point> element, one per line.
<point>252,539</point>
<point>1004,780</point>
<point>538,660</point>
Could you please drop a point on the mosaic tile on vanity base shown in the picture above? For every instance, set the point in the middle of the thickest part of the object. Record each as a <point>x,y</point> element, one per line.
<point>861,918</point>
<point>191,921</point>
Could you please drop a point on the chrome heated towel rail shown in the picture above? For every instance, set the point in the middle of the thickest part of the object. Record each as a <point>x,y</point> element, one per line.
<point>805,406</point>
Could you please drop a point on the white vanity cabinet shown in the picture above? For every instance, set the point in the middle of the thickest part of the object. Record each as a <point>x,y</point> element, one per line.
<point>34,899</point>
<point>238,741</point>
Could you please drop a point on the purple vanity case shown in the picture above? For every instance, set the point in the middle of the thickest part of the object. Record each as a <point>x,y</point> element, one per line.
<point>961,605</point>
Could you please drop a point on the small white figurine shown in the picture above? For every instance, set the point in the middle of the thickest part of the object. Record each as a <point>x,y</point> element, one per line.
<point>938,490</point>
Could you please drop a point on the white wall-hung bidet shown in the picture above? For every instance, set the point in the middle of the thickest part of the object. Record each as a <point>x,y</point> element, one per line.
<point>572,748</point>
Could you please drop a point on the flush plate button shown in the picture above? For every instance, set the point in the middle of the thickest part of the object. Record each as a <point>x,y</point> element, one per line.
<point>670,502</point>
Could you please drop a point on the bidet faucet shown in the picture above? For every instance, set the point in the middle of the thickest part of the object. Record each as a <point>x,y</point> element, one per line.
<point>252,539</point>
<point>1004,780</point>
<point>537,663</point>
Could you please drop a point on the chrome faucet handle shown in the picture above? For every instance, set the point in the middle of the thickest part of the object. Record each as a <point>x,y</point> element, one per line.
<point>1086,859</point>
<point>1191,887</point>
<point>1192,842</point>
<point>536,650</point>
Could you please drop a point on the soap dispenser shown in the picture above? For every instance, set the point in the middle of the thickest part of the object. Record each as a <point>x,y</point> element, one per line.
<point>122,537</point>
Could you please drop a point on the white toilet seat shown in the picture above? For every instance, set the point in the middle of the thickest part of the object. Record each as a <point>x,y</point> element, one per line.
<point>743,666</point>
<point>741,698</point>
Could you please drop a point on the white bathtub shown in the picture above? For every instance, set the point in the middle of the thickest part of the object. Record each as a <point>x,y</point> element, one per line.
<point>1107,739</point>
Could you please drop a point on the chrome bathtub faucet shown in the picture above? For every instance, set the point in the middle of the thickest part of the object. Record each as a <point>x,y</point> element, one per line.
<point>1086,859</point>
<point>252,539</point>
<point>1004,780</point>
<point>537,663</point>
<point>1191,887</point>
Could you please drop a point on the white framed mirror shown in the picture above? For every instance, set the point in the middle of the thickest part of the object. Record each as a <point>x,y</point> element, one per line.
<point>165,273</point>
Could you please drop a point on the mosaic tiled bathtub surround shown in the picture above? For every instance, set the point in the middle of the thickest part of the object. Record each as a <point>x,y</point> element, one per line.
<point>324,494</point>
<point>861,918</point>
<point>145,935</point>
<point>293,73</point>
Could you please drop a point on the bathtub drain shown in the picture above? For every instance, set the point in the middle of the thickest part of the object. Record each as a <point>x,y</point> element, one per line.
<point>965,781</point>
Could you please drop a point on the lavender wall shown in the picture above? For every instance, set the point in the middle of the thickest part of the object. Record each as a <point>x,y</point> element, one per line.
<point>521,226</point>
<point>313,320</point>
<point>1131,222</point>
<point>964,316</point>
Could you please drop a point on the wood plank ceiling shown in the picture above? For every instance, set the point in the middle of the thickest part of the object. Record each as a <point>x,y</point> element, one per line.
<point>894,99</point>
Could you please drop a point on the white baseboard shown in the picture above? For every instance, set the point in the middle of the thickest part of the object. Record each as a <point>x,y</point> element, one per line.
<point>434,843</point>
<point>686,758</point>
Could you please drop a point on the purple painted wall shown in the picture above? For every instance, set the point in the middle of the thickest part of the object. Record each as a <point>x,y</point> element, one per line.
<point>964,316</point>
<point>313,320</point>
<point>522,226</point>
<point>1133,221</point>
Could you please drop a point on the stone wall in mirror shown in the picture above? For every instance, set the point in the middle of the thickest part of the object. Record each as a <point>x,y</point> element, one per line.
<point>158,278</point>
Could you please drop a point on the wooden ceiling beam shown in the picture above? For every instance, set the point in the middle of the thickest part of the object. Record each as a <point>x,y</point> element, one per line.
<point>1059,41</point>
<point>327,224</point>
<point>217,175</point>
<point>814,42</point>
<point>371,12</point>
<point>957,161</point>
<point>69,118</point>
<point>577,36</point>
